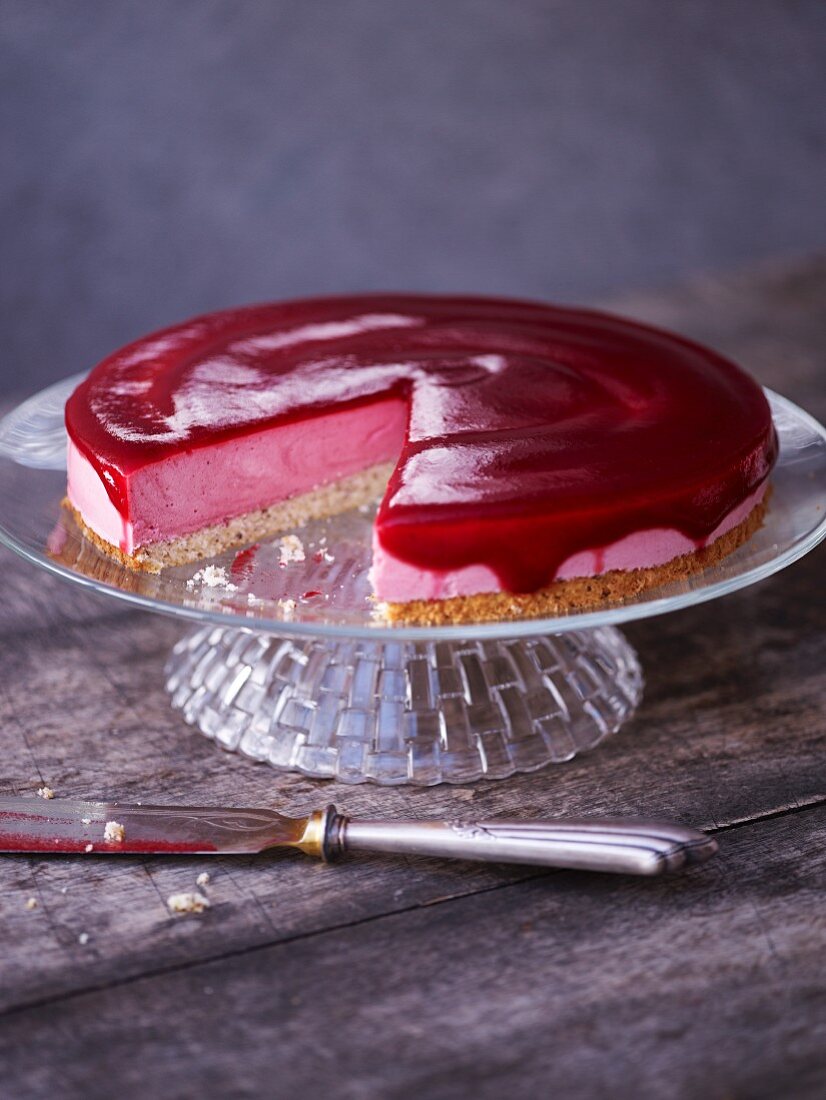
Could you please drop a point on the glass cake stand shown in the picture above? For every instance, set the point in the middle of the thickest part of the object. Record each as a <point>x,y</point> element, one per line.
<point>290,664</point>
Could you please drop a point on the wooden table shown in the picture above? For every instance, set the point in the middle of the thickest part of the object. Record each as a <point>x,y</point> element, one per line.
<point>416,978</point>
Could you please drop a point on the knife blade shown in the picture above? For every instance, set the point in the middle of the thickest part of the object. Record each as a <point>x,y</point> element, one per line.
<point>67,826</point>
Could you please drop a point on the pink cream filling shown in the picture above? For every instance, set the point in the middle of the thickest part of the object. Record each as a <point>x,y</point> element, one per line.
<point>209,485</point>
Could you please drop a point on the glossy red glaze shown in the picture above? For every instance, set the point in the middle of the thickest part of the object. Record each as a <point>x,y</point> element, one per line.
<point>535,431</point>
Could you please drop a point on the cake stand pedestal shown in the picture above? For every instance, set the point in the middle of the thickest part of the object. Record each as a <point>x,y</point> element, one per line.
<point>405,712</point>
<point>289,665</point>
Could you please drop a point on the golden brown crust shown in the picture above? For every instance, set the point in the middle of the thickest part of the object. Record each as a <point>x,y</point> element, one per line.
<point>578,594</point>
<point>129,560</point>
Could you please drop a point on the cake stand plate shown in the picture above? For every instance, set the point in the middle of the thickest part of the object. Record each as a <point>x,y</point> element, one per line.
<point>289,663</point>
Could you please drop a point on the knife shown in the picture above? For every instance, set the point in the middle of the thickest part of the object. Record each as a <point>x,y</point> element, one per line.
<point>628,845</point>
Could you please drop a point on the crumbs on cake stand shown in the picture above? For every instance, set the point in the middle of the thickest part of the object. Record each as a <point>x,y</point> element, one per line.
<point>211,576</point>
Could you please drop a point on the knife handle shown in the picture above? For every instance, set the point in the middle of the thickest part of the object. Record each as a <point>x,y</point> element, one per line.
<point>631,846</point>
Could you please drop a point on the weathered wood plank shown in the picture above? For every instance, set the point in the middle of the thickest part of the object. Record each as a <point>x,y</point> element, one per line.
<point>568,985</point>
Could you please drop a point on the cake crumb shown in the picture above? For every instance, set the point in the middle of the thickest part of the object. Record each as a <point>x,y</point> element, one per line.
<point>89,848</point>
<point>379,612</point>
<point>288,608</point>
<point>86,821</point>
<point>31,903</point>
<point>83,939</point>
<point>211,576</point>
<point>203,879</point>
<point>189,902</point>
<point>45,792</point>
<point>114,832</point>
<point>291,549</point>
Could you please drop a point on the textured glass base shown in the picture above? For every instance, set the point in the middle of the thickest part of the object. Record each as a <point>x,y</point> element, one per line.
<point>391,713</point>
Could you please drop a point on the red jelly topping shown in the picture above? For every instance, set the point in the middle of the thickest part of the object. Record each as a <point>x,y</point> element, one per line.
<point>535,431</point>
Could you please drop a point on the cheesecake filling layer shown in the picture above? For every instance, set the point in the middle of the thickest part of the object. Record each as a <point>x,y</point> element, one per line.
<point>176,496</point>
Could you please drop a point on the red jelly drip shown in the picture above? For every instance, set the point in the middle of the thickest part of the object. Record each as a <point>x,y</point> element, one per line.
<point>244,560</point>
<point>535,432</point>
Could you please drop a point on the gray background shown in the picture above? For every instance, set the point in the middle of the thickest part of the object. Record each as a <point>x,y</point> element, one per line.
<point>164,157</point>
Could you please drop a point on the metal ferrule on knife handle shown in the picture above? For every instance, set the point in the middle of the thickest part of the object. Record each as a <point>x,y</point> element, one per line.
<point>321,837</point>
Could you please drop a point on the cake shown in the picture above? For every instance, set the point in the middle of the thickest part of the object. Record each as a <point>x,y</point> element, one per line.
<point>529,458</point>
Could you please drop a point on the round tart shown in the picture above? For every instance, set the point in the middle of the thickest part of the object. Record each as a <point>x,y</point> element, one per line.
<point>529,458</point>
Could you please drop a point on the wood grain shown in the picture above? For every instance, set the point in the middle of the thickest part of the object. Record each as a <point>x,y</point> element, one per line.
<point>381,978</point>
